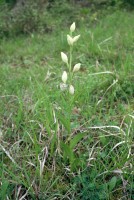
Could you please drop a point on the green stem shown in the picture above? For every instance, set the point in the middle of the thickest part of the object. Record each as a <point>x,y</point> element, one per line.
<point>70,65</point>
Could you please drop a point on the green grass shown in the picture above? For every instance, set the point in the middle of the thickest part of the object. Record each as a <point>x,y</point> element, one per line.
<point>95,160</point>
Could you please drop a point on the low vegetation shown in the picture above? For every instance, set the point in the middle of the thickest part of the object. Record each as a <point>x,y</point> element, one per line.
<point>60,145</point>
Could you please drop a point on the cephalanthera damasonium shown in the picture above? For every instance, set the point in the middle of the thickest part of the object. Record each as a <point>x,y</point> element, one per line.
<point>72,27</point>
<point>64,57</point>
<point>76,67</point>
<point>72,40</point>
<point>64,77</point>
<point>71,89</point>
<point>67,76</point>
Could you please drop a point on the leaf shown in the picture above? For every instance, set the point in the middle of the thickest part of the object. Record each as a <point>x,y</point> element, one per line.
<point>67,152</point>
<point>112,183</point>
<point>65,122</point>
<point>76,139</point>
<point>48,129</point>
<point>53,143</point>
<point>4,188</point>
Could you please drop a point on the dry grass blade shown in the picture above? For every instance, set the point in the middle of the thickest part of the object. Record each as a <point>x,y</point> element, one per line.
<point>8,154</point>
<point>42,162</point>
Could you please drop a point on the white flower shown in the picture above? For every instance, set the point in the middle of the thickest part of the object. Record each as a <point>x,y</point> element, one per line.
<point>72,27</point>
<point>71,89</point>
<point>76,67</point>
<point>76,38</point>
<point>64,77</point>
<point>70,40</point>
<point>64,57</point>
<point>63,86</point>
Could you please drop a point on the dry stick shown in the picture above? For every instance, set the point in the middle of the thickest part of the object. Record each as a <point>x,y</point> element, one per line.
<point>96,127</point>
<point>98,73</point>
<point>105,40</point>
<point>23,197</point>
<point>9,156</point>
<point>107,91</point>
<point>7,153</point>
<point>4,96</point>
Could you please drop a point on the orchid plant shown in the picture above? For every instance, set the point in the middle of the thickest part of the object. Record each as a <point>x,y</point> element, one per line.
<point>65,147</point>
<point>68,144</point>
<point>67,76</point>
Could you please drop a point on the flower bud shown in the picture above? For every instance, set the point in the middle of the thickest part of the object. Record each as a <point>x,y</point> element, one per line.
<point>72,27</point>
<point>76,67</point>
<point>64,57</point>
<point>76,38</point>
<point>64,77</point>
<point>71,89</point>
<point>70,40</point>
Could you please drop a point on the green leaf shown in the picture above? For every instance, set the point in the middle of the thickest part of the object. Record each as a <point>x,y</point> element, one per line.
<point>53,143</point>
<point>76,139</point>
<point>65,122</point>
<point>112,183</point>
<point>4,188</point>
<point>67,152</point>
<point>48,129</point>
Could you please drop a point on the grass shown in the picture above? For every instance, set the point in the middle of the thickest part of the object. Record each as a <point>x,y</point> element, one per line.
<point>39,160</point>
